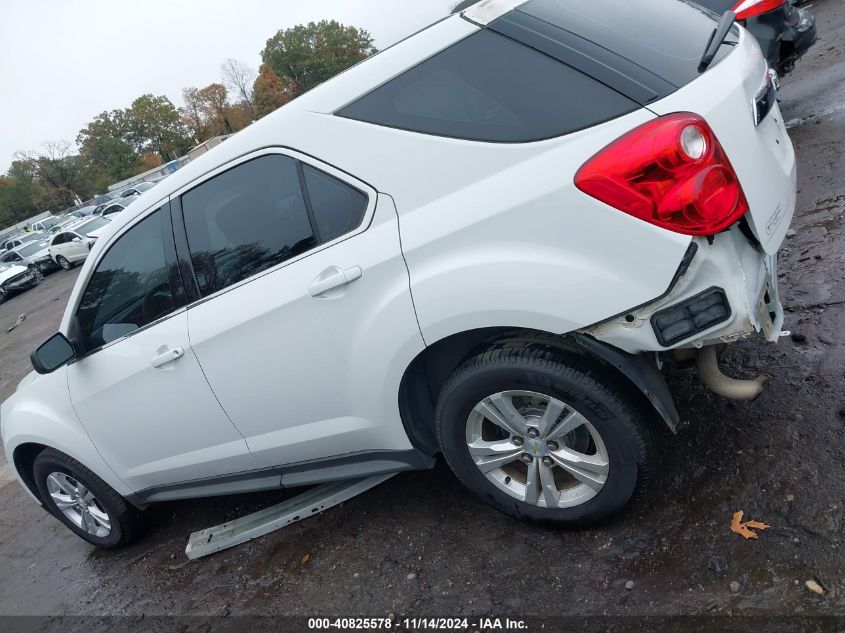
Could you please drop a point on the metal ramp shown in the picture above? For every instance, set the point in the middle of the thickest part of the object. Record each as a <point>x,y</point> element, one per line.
<point>309,503</point>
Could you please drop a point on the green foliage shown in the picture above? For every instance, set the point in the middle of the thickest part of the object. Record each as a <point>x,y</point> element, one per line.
<point>307,55</point>
<point>103,144</point>
<point>154,125</point>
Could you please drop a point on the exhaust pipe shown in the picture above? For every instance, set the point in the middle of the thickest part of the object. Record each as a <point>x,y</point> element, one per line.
<point>716,381</point>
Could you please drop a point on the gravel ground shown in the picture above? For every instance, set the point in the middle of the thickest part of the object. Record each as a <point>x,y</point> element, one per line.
<point>421,545</point>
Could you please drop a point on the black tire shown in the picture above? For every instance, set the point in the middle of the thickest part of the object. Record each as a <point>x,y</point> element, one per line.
<point>592,390</point>
<point>63,262</point>
<point>124,519</point>
<point>36,273</point>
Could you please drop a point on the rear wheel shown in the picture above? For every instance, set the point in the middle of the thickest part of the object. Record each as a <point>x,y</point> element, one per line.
<point>86,504</point>
<point>544,437</point>
<point>63,262</point>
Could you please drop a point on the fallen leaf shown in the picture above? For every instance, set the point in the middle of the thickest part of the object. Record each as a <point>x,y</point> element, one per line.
<point>305,559</point>
<point>744,529</point>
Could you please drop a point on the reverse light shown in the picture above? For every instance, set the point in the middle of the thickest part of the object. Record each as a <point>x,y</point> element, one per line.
<point>745,9</point>
<point>671,172</point>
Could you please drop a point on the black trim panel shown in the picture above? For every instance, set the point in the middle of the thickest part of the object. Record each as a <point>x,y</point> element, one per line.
<point>183,251</point>
<point>641,371</point>
<point>353,466</point>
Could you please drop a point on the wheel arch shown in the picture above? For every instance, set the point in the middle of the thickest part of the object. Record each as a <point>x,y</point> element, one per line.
<point>23,459</point>
<point>427,373</point>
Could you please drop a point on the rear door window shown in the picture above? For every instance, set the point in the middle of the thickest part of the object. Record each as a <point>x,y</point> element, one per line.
<point>246,220</point>
<point>490,88</point>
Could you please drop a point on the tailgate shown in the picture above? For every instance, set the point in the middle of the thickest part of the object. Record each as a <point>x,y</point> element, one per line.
<point>762,155</point>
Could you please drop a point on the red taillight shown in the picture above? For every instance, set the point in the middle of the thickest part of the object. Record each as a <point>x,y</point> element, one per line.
<point>745,9</point>
<point>671,172</point>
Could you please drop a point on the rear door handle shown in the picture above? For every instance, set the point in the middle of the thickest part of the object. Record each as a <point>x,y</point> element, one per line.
<point>332,278</point>
<point>167,356</point>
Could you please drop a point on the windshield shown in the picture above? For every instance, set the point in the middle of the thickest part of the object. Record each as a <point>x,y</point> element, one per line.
<point>29,237</point>
<point>31,249</point>
<point>49,222</point>
<point>93,225</point>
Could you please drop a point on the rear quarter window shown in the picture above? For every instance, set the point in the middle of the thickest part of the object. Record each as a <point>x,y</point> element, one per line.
<point>490,88</point>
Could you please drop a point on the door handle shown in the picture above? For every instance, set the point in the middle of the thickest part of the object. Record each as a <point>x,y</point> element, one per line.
<point>167,356</point>
<point>332,278</point>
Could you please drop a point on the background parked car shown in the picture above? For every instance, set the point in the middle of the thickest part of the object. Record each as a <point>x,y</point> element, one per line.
<point>44,225</point>
<point>72,245</point>
<point>111,209</point>
<point>15,278</point>
<point>783,31</point>
<point>83,212</point>
<point>23,238</point>
<point>33,255</point>
<point>65,223</point>
<point>137,190</point>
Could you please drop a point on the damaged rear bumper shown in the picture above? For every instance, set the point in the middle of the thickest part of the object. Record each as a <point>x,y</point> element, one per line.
<point>726,290</point>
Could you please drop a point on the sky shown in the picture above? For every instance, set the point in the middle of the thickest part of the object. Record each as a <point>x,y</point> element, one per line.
<point>62,62</point>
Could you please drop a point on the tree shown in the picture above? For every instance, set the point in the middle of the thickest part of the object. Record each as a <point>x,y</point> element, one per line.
<point>214,103</point>
<point>192,116</point>
<point>155,125</point>
<point>105,146</point>
<point>307,55</point>
<point>18,192</point>
<point>270,91</point>
<point>209,113</point>
<point>62,174</point>
<point>239,78</point>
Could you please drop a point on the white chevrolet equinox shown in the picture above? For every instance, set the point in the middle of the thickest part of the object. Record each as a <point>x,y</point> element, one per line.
<point>483,243</point>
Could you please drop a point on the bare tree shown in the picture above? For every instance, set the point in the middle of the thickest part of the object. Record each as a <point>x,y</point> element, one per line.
<point>58,169</point>
<point>239,77</point>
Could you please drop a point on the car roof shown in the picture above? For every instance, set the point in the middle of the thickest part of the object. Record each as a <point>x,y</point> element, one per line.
<point>301,118</point>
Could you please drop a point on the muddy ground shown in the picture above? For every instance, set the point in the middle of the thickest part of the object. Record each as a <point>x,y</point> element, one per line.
<point>421,545</point>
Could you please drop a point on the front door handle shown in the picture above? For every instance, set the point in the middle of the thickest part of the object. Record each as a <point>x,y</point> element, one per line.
<point>332,278</point>
<point>168,355</point>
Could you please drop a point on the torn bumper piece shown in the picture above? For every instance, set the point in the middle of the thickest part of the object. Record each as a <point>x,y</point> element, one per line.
<point>727,292</point>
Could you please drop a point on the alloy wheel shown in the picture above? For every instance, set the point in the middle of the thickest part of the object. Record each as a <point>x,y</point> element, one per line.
<point>537,449</point>
<point>78,504</point>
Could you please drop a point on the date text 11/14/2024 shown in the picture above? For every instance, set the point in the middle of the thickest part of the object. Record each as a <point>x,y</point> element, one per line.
<point>419,624</point>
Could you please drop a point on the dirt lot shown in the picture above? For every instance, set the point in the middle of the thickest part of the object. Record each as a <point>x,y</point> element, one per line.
<point>421,545</point>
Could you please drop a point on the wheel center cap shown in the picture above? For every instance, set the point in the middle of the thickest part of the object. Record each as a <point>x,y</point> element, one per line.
<point>536,448</point>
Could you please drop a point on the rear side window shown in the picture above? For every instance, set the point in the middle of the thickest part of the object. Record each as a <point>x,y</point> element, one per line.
<point>489,88</point>
<point>246,220</point>
<point>130,287</point>
<point>338,208</point>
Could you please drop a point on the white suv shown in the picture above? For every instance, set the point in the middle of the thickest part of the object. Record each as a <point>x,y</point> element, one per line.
<point>483,242</point>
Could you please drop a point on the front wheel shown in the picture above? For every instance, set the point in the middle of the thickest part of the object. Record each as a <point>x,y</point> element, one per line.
<point>86,504</point>
<point>36,273</point>
<point>544,437</point>
<point>63,262</point>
